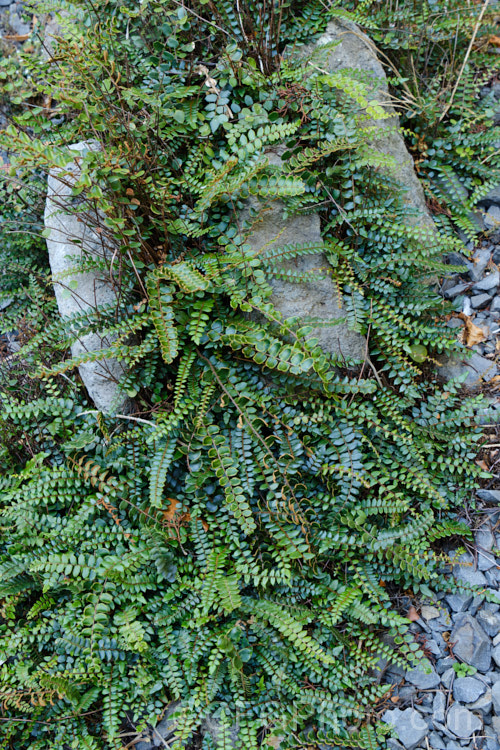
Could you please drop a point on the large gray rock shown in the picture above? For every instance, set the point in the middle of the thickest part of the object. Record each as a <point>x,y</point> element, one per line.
<point>471,644</point>
<point>354,51</point>
<point>410,726</point>
<point>212,726</point>
<point>318,298</point>
<point>71,242</point>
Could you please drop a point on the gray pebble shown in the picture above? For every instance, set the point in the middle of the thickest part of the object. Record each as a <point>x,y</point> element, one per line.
<point>495,725</point>
<point>472,645</point>
<point>421,680</point>
<point>454,291</point>
<point>489,496</point>
<point>484,538</point>
<point>448,677</point>
<point>407,692</point>
<point>462,722</point>
<point>460,602</point>
<point>492,217</point>
<point>468,689</point>
<point>492,577</point>
<point>409,724</point>
<point>496,655</point>
<point>442,730</point>
<point>481,259</point>
<point>480,301</point>
<point>436,741</point>
<point>465,571</point>
<point>438,707</point>
<point>490,282</point>
<point>489,621</point>
<point>482,705</point>
<point>495,696</point>
<point>443,665</point>
<point>392,744</point>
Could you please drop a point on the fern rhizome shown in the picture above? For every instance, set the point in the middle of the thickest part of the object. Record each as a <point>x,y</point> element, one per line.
<point>232,544</point>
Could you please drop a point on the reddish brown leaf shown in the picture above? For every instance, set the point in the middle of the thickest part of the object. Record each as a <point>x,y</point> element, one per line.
<point>412,614</point>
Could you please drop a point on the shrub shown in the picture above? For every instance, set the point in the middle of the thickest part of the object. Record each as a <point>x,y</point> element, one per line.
<point>234,543</point>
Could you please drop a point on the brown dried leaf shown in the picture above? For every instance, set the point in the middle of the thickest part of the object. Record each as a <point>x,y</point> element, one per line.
<point>168,515</point>
<point>412,614</point>
<point>471,333</point>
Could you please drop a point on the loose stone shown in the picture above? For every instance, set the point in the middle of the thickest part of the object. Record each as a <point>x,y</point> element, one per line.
<point>489,621</point>
<point>480,301</point>
<point>409,724</point>
<point>482,705</point>
<point>468,689</point>
<point>429,612</point>
<point>472,645</point>
<point>459,602</point>
<point>489,496</point>
<point>421,680</point>
<point>495,696</point>
<point>465,572</point>
<point>455,291</point>
<point>488,283</point>
<point>462,722</point>
<point>496,655</point>
<point>492,218</point>
<point>438,707</point>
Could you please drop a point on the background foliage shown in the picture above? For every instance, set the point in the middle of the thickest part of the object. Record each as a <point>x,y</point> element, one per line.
<point>234,544</point>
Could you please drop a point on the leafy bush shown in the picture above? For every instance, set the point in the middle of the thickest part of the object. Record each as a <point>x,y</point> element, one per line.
<point>233,543</point>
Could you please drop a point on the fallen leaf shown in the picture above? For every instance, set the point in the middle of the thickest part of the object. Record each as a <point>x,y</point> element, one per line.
<point>495,40</point>
<point>16,37</point>
<point>471,334</point>
<point>412,614</point>
<point>168,515</point>
<point>483,465</point>
<point>394,698</point>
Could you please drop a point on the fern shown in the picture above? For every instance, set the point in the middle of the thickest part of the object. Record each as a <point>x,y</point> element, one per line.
<point>231,543</point>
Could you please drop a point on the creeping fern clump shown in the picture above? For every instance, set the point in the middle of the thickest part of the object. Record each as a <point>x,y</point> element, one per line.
<point>232,544</point>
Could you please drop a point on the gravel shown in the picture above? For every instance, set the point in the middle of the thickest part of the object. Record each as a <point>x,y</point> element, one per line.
<point>471,644</point>
<point>462,722</point>
<point>410,727</point>
<point>468,689</point>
